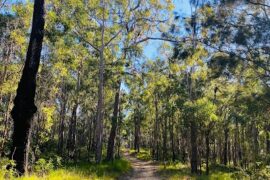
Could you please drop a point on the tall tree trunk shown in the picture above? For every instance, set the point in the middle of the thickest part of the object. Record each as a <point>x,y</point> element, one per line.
<point>118,139</point>
<point>72,134</point>
<point>255,134</point>
<point>229,151</point>
<point>156,130</point>
<point>24,106</point>
<point>6,126</point>
<point>207,143</point>
<point>137,124</point>
<point>100,113</point>
<point>28,149</point>
<point>214,157</point>
<point>267,131</point>
<point>225,148</point>
<point>172,139</point>
<point>62,124</point>
<point>100,105</point>
<point>110,148</point>
<point>165,139</point>
<point>194,150</point>
<point>6,59</point>
<point>235,145</point>
<point>90,135</point>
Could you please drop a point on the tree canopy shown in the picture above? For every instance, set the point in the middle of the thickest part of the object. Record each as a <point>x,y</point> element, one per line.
<point>200,99</point>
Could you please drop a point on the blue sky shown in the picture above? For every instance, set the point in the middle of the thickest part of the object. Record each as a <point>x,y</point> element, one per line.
<point>151,49</point>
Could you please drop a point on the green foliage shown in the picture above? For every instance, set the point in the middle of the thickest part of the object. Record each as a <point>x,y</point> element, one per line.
<point>42,166</point>
<point>182,171</point>
<point>7,169</point>
<point>202,111</point>
<point>44,169</point>
<point>258,170</point>
<point>144,154</point>
<point>217,76</point>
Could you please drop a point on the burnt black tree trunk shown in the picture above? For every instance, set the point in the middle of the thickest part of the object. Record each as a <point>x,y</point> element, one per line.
<point>24,106</point>
<point>110,148</point>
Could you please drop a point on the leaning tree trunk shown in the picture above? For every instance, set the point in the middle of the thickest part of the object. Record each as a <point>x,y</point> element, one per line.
<point>110,148</point>
<point>24,106</point>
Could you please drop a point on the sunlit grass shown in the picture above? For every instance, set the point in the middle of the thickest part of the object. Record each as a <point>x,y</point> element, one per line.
<point>181,171</point>
<point>83,171</point>
<point>144,154</point>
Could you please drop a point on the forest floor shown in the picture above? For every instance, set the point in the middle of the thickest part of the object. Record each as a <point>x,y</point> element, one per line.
<point>73,171</point>
<point>141,169</point>
<point>133,166</point>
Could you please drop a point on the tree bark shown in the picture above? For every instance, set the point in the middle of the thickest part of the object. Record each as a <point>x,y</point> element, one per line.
<point>255,134</point>
<point>267,129</point>
<point>72,134</point>
<point>137,124</point>
<point>62,122</point>
<point>194,150</point>
<point>6,126</point>
<point>100,112</point>
<point>165,139</point>
<point>172,139</point>
<point>24,106</point>
<point>118,139</point>
<point>156,130</point>
<point>110,148</point>
<point>207,143</point>
<point>225,149</point>
<point>100,105</point>
<point>235,145</point>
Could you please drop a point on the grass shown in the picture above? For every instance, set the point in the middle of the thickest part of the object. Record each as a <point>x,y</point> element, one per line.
<point>175,171</point>
<point>83,171</point>
<point>143,155</point>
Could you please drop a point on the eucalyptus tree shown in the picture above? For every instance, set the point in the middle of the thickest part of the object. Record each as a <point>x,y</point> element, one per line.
<point>104,26</point>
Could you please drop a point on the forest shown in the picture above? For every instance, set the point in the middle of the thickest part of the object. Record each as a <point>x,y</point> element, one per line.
<point>135,89</point>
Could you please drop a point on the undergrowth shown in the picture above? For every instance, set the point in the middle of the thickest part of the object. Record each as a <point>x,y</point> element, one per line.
<point>75,171</point>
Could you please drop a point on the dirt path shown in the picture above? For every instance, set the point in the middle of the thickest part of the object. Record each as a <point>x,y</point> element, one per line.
<point>146,170</point>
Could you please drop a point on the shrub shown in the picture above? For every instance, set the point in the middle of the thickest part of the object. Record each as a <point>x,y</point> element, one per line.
<point>42,166</point>
<point>7,169</point>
